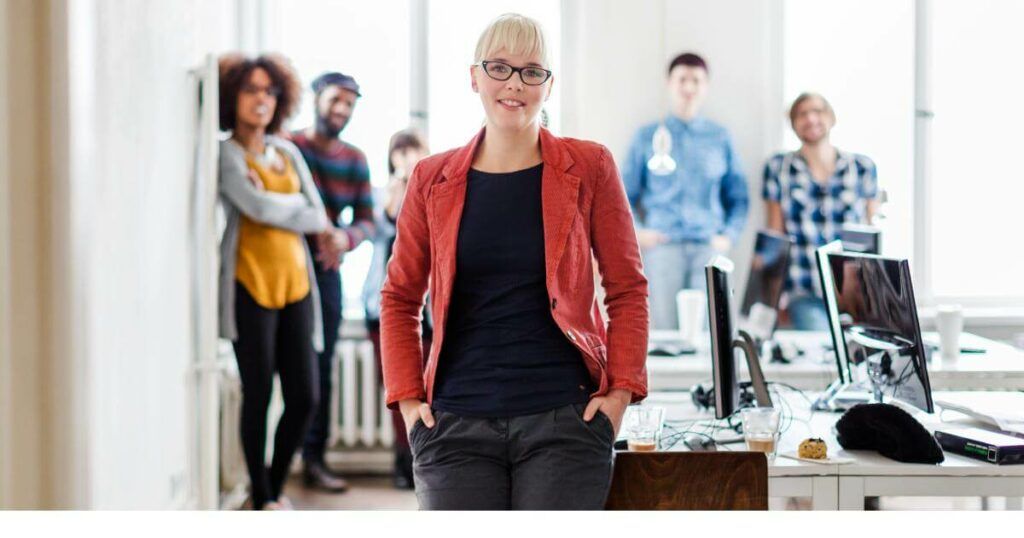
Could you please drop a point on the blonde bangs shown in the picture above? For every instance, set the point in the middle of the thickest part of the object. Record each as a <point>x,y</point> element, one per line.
<point>515,34</point>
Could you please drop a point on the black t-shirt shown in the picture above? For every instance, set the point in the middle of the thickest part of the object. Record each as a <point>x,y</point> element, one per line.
<point>503,354</point>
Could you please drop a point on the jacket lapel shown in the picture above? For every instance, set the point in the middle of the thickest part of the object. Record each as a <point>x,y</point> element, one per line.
<point>559,192</point>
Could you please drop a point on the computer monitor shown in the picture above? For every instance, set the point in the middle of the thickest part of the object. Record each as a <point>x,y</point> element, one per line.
<point>768,268</point>
<point>881,333</point>
<point>727,391</point>
<point>827,288</point>
<point>861,238</point>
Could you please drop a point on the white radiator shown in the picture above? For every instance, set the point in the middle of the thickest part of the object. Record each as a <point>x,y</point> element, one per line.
<point>358,417</point>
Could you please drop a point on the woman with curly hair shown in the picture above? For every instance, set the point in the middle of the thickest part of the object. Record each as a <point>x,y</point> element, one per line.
<point>268,307</point>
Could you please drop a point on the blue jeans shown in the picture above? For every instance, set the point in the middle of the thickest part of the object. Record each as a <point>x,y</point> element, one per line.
<point>670,268</point>
<point>807,313</point>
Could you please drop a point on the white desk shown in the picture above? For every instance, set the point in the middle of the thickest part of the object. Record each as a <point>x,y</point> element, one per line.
<point>832,487</point>
<point>1001,367</point>
<point>786,477</point>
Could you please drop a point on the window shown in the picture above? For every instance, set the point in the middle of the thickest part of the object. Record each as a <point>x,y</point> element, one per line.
<point>370,41</point>
<point>455,112</point>
<point>974,186</point>
<point>860,56</point>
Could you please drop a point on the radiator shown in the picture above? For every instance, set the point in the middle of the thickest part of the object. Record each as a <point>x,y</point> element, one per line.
<point>358,417</point>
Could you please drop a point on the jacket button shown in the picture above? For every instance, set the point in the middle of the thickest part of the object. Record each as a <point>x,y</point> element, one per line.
<point>570,335</point>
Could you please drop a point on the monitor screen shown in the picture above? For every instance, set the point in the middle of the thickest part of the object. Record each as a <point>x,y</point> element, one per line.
<point>877,314</point>
<point>828,287</point>
<point>723,364</point>
<point>768,269</point>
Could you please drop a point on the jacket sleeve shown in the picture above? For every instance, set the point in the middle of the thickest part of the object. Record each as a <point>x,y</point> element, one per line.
<point>618,258</point>
<point>297,212</point>
<point>402,297</point>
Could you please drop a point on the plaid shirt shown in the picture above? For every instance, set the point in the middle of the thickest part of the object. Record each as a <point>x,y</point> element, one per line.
<point>814,213</point>
<point>343,179</point>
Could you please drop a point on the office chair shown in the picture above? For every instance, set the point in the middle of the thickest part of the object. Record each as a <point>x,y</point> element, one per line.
<point>689,481</point>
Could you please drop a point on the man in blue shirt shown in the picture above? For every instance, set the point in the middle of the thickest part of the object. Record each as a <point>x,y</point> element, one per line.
<point>689,196</point>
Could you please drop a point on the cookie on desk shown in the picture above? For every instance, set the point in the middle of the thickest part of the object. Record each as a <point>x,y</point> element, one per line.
<point>813,449</point>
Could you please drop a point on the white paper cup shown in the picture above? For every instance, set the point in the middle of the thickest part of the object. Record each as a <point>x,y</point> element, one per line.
<point>691,307</point>
<point>949,321</point>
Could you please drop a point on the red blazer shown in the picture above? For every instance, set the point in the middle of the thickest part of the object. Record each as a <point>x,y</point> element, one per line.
<point>584,207</point>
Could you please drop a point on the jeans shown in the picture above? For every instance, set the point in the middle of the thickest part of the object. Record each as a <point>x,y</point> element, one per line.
<point>545,461</point>
<point>329,284</point>
<point>670,268</point>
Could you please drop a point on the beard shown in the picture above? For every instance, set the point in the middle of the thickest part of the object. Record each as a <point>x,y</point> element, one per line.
<point>325,128</point>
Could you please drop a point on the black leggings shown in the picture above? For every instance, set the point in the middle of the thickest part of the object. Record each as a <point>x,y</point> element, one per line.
<point>272,340</point>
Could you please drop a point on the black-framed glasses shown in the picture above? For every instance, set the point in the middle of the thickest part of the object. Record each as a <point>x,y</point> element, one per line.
<point>252,89</point>
<point>530,75</point>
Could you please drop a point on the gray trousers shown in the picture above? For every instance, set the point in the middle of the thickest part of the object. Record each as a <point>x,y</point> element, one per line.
<point>670,268</point>
<point>546,461</point>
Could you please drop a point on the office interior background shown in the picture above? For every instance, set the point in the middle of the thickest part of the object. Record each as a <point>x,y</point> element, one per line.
<point>106,339</point>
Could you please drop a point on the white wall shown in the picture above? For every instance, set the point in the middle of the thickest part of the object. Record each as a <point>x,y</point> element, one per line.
<point>617,56</point>
<point>131,155</point>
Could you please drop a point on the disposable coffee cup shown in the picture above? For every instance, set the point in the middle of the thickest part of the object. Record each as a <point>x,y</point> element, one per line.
<point>691,306</point>
<point>949,320</point>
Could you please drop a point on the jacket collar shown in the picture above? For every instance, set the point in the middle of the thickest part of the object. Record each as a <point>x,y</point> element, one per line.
<point>552,153</point>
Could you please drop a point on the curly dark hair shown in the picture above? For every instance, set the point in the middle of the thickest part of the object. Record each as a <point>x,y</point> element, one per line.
<point>234,72</point>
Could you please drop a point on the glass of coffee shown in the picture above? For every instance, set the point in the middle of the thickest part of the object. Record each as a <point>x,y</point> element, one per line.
<point>761,430</point>
<point>643,427</point>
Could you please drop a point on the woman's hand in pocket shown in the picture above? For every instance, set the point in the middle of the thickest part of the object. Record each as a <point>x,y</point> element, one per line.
<point>613,405</point>
<point>413,410</point>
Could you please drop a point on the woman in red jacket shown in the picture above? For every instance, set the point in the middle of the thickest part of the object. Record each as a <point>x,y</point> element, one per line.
<point>521,396</point>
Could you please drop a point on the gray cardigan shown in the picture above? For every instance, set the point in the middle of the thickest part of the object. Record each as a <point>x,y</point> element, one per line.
<point>301,212</point>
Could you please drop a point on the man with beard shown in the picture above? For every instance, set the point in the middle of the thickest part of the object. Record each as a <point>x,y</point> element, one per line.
<point>340,172</point>
<point>809,194</point>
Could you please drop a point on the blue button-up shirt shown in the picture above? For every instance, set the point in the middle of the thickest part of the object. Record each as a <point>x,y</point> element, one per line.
<point>705,196</point>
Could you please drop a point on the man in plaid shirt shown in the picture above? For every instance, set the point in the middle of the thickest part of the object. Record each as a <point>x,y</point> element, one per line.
<point>341,174</point>
<point>810,194</point>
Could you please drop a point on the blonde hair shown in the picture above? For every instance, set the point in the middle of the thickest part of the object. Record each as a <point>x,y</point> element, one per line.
<point>515,33</point>
<point>807,96</point>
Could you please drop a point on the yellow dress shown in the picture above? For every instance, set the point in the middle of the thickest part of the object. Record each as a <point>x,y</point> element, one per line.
<point>271,261</point>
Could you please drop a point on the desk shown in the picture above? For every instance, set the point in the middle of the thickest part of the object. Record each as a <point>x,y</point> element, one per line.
<point>1001,367</point>
<point>832,487</point>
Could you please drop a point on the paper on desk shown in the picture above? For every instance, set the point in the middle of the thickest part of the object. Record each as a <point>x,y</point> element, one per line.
<point>831,460</point>
<point>1005,410</point>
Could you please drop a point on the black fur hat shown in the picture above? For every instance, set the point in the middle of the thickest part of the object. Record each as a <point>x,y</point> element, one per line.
<point>889,430</point>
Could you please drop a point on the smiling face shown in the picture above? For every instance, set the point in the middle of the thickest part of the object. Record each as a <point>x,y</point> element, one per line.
<point>257,100</point>
<point>812,120</point>
<point>511,104</point>
<point>334,106</point>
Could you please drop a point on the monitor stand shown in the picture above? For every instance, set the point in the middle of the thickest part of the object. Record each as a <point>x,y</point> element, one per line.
<point>839,397</point>
<point>748,346</point>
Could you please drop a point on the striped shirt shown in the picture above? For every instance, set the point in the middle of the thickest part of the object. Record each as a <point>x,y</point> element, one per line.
<point>343,179</point>
<point>813,212</point>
